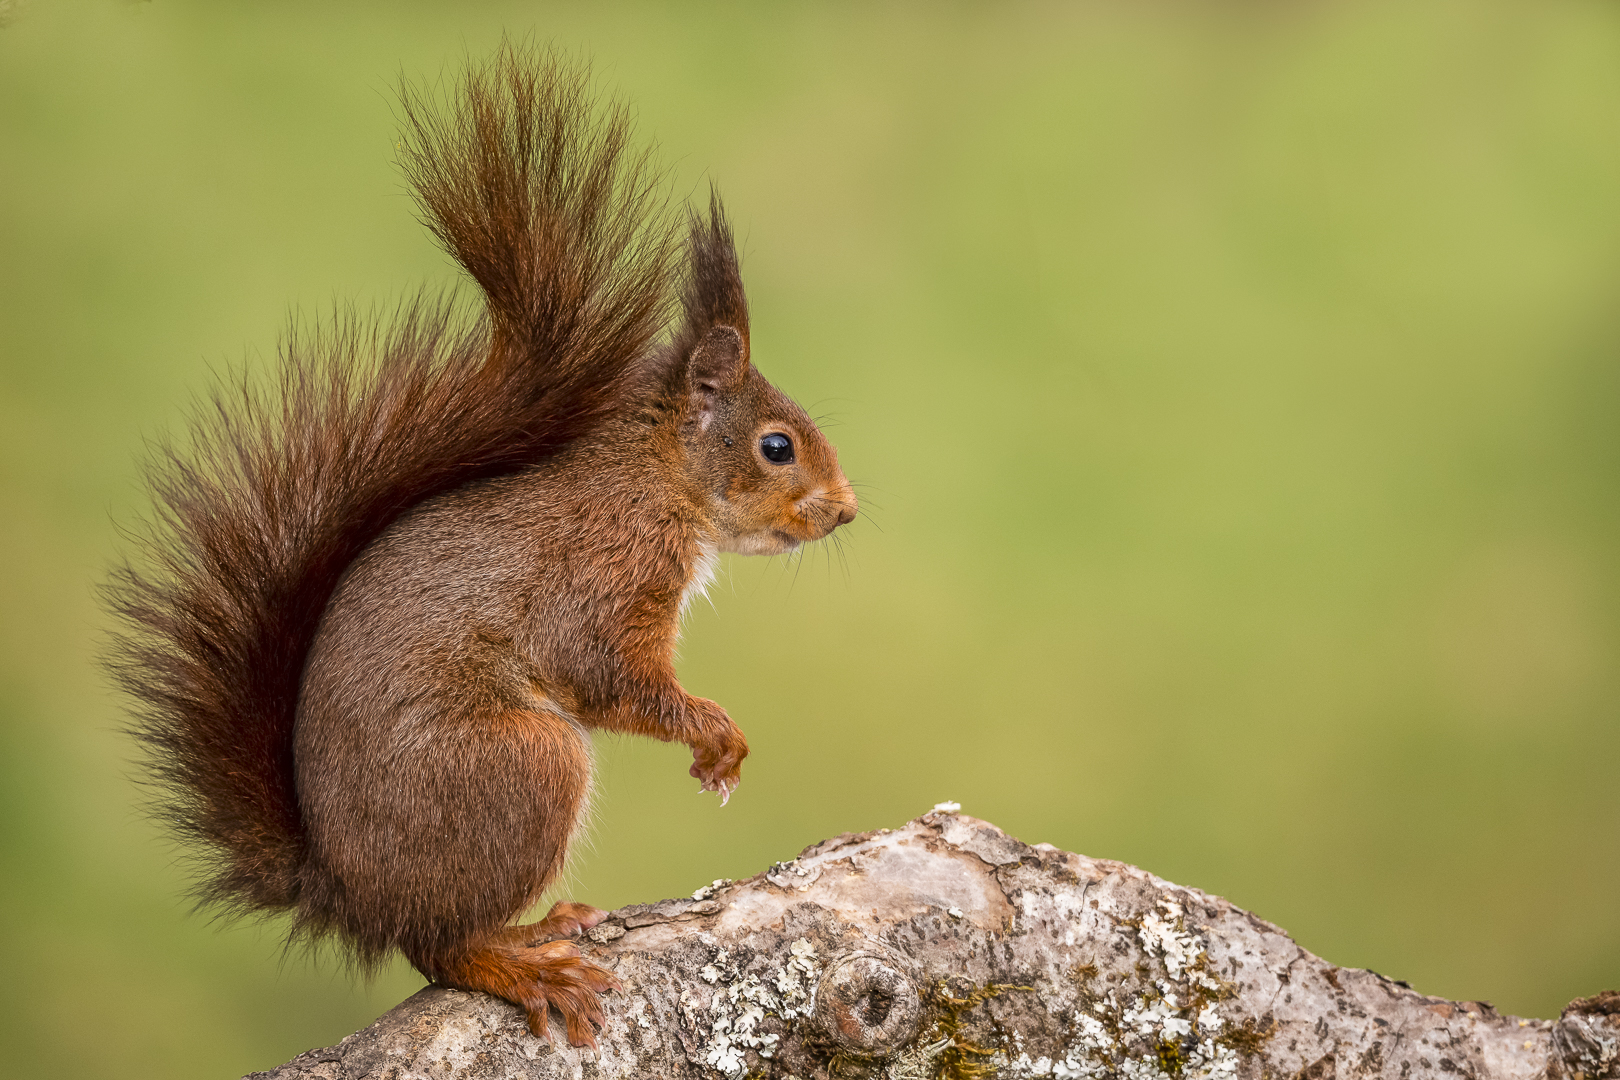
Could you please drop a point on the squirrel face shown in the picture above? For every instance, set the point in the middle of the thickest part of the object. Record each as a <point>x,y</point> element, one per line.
<point>768,477</point>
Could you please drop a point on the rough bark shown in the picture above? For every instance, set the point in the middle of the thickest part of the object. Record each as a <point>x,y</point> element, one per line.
<point>947,949</point>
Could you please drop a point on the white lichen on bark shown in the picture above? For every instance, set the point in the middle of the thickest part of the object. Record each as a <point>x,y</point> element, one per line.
<point>741,1002</point>
<point>1176,1021</point>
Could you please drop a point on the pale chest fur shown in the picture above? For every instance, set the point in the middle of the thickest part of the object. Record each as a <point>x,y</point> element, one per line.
<point>704,568</point>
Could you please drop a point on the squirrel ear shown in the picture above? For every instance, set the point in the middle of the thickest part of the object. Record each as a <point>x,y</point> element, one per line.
<point>716,364</point>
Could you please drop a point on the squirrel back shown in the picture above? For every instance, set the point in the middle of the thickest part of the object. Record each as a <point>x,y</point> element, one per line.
<point>542,200</point>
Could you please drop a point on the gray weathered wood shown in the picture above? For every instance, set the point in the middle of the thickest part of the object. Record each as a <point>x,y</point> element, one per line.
<point>947,949</point>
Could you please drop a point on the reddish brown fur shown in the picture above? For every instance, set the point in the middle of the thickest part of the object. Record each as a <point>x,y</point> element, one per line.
<point>390,599</point>
<point>537,978</point>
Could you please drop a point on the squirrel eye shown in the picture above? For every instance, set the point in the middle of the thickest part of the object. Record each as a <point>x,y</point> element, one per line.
<point>777,448</point>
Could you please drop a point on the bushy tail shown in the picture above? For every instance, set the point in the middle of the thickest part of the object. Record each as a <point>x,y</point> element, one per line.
<point>536,191</point>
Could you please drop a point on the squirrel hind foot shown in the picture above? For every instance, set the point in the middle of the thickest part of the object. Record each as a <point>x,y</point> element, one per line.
<point>537,979</point>
<point>566,919</point>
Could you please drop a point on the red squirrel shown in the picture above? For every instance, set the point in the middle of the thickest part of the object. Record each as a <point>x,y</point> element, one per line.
<point>388,598</point>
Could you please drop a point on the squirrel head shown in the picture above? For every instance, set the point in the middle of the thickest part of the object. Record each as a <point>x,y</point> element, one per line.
<point>765,475</point>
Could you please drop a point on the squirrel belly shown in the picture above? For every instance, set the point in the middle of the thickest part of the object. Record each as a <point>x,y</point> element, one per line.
<point>394,592</point>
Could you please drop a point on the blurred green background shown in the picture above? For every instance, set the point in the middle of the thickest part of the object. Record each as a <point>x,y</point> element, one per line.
<point>1233,388</point>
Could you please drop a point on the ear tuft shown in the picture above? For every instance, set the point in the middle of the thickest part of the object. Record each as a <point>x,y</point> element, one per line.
<point>713,296</point>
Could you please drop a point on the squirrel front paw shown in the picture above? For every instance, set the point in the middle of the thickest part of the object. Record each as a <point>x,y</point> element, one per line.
<point>718,751</point>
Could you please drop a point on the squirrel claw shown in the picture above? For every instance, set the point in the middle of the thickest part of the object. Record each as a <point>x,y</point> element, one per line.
<point>723,788</point>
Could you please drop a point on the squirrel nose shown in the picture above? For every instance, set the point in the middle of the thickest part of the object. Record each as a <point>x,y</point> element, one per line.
<point>814,507</point>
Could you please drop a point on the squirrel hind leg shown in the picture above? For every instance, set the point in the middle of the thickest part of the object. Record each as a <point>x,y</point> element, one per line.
<point>462,830</point>
<point>536,978</point>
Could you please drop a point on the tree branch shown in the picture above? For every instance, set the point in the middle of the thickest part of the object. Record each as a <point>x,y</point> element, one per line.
<point>947,949</point>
